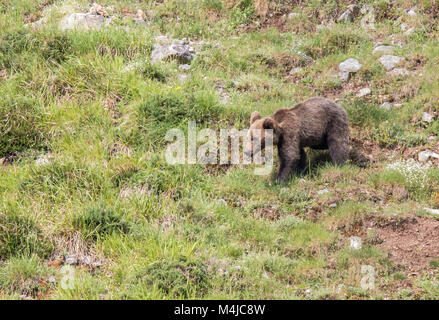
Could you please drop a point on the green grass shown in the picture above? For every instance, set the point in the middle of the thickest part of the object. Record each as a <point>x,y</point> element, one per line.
<point>83,118</point>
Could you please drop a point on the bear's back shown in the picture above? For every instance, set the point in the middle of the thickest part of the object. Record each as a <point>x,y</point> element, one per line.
<point>313,118</point>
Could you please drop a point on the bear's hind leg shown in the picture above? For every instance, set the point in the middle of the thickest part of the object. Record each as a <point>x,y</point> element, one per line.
<point>303,163</point>
<point>339,150</point>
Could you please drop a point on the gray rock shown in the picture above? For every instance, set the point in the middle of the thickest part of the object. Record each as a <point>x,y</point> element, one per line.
<point>70,260</point>
<point>389,62</point>
<point>410,12</point>
<point>184,67</point>
<point>346,16</point>
<point>386,106</point>
<point>368,20</point>
<point>349,65</point>
<point>432,211</point>
<point>183,53</point>
<point>84,21</point>
<point>97,9</point>
<point>44,159</point>
<point>140,21</point>
<point>425,155</point>
<point>295,70</point>
<point>383,49</point>
<point>183,77</point>
<point>292,15</point>
<point>398,72</point>
<point>355,243</point>
<point>364,92</point>
<point>349,15</point>
<point>343,76</point>
<point>426,117</point>
<point>404,26</point>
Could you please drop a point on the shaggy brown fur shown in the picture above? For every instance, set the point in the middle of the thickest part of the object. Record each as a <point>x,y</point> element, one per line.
<point>317,123</point>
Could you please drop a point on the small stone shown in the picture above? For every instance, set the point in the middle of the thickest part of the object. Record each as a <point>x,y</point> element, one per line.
<point>308,291</point>
<point>140,21</point>
<point>383,49</point>
<point>349,65</point>
<point>368,20</point>
<point>346,16</point>
<point>97,9</point>
<point>410,12</point>
<point>432,211</point>
<point>343,76</point>
<point>222,202</point>
<point>333,205</point>
<point>386,106</point>
<point>323,191</point>
<point>364,92</point>
<point>184,67</point>
<point>140,14</point>
<point>183,77</point>
<point>51,279</point>
<point>84,21</point>
<point>425,155</point>
<point>398,72</point>
<point>70,260</point>
<point>355,243</point>
<point>292,15</point>
<point>426,117</point>
<point>431,138</point>
<point>96,264</point>
<point>44,159</point>
<point>181,52</point>
<point>389,62</point>
<point>295,70</point>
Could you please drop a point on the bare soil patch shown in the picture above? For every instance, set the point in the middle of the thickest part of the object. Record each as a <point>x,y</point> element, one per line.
<point>411,242</point>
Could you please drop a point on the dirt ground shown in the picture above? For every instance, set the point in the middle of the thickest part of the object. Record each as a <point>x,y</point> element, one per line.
<point>412,242</point>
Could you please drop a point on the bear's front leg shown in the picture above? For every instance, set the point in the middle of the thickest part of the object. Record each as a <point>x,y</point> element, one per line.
<point>289,158</point>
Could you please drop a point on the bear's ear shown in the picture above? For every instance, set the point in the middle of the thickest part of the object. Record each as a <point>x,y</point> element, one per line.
<point>255,116</point>
<point>269,124</point>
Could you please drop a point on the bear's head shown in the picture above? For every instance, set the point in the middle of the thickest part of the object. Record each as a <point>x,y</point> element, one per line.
<point>256,134</point>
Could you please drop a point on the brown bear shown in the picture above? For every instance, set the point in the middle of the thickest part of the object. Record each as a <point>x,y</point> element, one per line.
<point>317,123</point>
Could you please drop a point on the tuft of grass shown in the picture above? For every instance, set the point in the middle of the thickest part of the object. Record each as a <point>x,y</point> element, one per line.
<point>20,236</point>
<point>162,112</point>
<point>22,124</point>
<point>338,39</point>
<point>23,275</point>
<point>182,278</point>
<point>100,221</point>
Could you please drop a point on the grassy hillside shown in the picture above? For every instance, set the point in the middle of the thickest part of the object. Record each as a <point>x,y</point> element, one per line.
<point>90,209</point>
